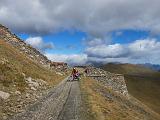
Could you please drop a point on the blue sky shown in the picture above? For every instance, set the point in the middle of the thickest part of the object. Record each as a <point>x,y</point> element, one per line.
<point>129,36</point>
<point>82,32</point>
<point>75,39</point>
<point>75,43</point>
<point>65,42</point>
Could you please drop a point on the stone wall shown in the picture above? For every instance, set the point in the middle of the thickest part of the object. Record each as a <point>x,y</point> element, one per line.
<point>113,81</point>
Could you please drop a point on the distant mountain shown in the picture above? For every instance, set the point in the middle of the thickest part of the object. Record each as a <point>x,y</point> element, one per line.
<point>152,66</point>
<point>142,82</point>
<point>126,68</point>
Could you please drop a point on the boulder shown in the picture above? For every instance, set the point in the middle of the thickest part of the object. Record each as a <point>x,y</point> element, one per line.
<point>4,95</point>
<point>17,92</point>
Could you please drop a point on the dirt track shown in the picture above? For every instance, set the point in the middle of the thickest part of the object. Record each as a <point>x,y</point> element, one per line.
<point>62,103</point>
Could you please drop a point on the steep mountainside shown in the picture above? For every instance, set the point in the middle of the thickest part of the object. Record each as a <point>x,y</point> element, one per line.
<point>24,76</point>
<point>24,48</point>
<point>143,83</point>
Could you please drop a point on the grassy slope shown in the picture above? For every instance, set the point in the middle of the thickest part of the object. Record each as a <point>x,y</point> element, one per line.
<point>13,66</point>
<point>104,104</point>
<point>142,83</point>
<point>11,71</point>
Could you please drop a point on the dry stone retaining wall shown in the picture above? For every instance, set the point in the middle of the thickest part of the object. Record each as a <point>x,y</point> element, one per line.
<point>114,81</point>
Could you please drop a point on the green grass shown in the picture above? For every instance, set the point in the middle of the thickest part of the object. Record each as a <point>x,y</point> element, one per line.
<point>143,83</point>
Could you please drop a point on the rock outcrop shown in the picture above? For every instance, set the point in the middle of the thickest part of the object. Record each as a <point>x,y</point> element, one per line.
<point>31,52</point>
<point>4,95</point>
<point>59,66</point>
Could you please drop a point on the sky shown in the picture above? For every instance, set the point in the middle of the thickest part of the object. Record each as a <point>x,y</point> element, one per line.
<point>87,31</point>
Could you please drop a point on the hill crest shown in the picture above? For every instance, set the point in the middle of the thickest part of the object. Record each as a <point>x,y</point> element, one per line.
<point>15,41</point>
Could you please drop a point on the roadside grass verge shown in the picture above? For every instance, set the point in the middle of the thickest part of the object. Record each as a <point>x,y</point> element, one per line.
<point>103,103</point>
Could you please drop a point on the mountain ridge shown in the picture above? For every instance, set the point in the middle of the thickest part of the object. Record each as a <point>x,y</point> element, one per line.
<point>25,48</point>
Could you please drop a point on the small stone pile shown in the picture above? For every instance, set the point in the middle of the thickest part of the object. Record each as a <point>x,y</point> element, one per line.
<point>114,81</point>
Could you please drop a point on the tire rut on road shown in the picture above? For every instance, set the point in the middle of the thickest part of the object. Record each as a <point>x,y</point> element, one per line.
<point>61,103</point>
<point>70,110</point>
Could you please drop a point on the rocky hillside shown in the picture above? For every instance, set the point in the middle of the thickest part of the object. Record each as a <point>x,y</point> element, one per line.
<point>24,74</point>
<point>31,52</point>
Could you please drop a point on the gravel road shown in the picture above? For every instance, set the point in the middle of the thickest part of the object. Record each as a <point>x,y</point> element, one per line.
<point>61,103</point>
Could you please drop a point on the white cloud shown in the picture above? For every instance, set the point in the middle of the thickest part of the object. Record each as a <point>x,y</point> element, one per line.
<point>95,41</point>
<point>145,45</point>
<point>95,17</point>
<point>73,59</point>
<point>103,51</point>
<point>139,51</point>
<point>119,33</point>
<point>99,60</point>
<point>37,42</point>
<point>147,49</point>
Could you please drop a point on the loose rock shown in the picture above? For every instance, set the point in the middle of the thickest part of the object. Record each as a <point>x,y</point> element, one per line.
<point>4,95</point>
